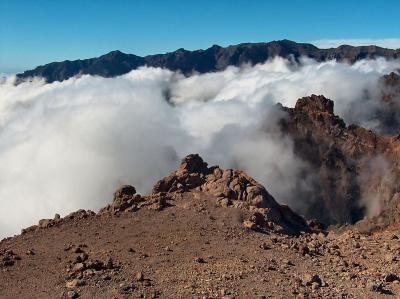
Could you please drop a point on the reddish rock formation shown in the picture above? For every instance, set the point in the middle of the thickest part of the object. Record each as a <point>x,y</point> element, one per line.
<point>231,188</point>
<point>355,169</point>
<point>388,111</point>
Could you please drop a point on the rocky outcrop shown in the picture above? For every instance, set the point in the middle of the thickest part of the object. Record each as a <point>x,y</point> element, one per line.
<point>126,200</point>
<point>213,59</point>
<point>232,188</point>
<point>355,170</point>
<point>388,109</point>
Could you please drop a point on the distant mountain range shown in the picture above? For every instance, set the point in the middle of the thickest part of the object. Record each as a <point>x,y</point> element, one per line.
<point>213,59</point>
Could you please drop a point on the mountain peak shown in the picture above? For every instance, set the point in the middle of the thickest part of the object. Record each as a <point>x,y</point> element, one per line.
<point>202,61</point>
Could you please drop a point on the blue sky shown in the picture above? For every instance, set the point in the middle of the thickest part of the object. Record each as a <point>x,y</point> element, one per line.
<point>40,31</point>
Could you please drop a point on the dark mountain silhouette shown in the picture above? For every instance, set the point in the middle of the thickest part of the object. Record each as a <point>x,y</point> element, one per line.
<point>213,59</point>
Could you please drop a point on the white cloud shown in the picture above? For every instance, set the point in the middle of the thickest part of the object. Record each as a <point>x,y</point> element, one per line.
<point>68,145</point>
<point>391,43</point>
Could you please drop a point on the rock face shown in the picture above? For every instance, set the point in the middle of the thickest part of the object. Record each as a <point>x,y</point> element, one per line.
<point>388,110</point>
<point>215,58</point>
<point>355,171</point>
<point>231,188</point>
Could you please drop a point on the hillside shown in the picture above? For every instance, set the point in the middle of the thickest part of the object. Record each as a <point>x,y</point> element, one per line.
<point>206,237</point>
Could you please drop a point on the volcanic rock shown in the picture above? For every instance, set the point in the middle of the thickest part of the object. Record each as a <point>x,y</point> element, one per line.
<point>349,167</point>
<point>235,186</point>
<point>125,199</point>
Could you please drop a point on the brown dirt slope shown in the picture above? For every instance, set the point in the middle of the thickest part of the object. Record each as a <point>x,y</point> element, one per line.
<point>203,233</point>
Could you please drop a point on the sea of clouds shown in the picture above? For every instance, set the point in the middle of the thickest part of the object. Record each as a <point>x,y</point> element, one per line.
<point>69,145</point>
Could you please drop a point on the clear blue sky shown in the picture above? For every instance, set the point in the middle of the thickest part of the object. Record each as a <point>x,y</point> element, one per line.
<point>40,31</point>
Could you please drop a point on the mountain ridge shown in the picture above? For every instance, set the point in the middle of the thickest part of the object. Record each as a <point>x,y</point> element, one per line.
<point>212,59</point>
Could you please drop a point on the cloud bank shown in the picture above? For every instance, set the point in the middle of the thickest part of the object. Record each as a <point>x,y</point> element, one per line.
<point>68,145</point>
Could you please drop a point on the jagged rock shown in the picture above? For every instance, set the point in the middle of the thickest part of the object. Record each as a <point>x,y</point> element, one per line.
<point>231,187</point>
<point>125,199</point>
<point>387,111</point>
<point>155,202</point>
<point>191,174</point>
<point>342,171</point>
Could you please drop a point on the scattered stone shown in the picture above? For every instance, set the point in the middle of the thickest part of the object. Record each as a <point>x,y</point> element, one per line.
<point>224,202</point>
<point>109,263</point>
<point>265,246</point>
<point>8,258</point>
<point>288,262</point>
<point>81,257</point>
<point>68,247</point>
<point>315,286</point>
<point>78,250</point>
<point>79,267</point>
<point>139,276</point>
<point>309,279</point>
<point>200,260</point>
<point>304,249</point>
<point>390,257</point>
<point>74,283</point>
<point>126,288</point>
<point>88,273</point>
<point>249,224</point>
<point>391,277</point>
<point>378,288</point>
<point>72,294</point>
